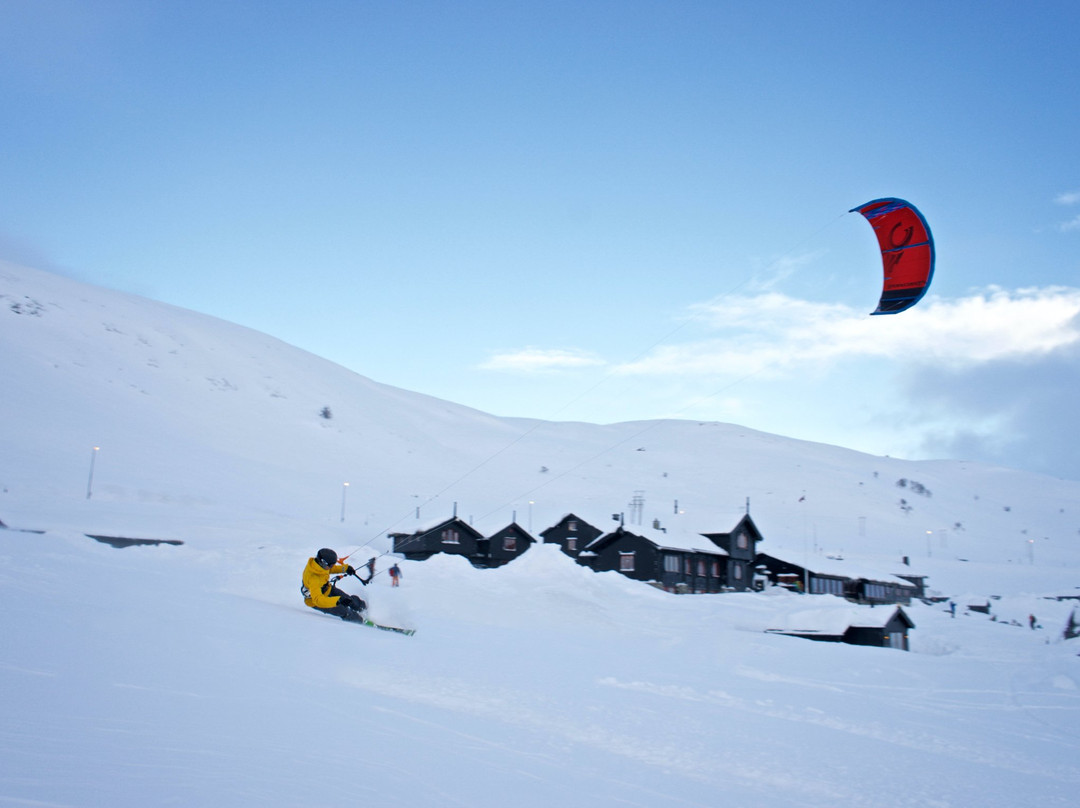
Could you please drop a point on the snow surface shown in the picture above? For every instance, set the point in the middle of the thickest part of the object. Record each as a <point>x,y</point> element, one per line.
<point>193,674</point>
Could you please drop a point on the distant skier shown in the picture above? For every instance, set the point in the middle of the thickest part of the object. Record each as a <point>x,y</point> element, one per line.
<point>322,595</point>
<point>1031,621</point>
<point>952,608</point>
<point>395,575</point>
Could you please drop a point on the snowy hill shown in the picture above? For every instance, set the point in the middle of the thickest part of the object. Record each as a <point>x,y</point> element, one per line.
<point>192,674</point>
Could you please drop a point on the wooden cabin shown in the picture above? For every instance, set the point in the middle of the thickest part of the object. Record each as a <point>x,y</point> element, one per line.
<point>572,533</point>
<point>687,563</point>
<point>449,536</point>
<point>880,628</point>
<point>798,578</point>
<point>456,537</point>
<point>917,581</point>
<point>503,546</point>
<point>891,632</point>
<point>740,546</point>
<point>676,569</point>
<point>874,592</point>
<point>833,577</point>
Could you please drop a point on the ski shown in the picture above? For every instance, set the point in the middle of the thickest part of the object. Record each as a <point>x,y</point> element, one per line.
<point>408,632</point>
<point>367,621</point>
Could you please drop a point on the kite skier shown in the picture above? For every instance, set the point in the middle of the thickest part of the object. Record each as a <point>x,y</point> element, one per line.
<point>322,594</point>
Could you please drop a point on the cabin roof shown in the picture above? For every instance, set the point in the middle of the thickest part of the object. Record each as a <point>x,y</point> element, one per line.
<point>836,619</point>
<point>842,566</point>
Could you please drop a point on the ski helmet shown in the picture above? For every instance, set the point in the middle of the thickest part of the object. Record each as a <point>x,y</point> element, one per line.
<point>326,557</point>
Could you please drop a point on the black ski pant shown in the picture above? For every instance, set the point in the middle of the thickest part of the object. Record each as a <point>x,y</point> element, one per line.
<point>349,607</point>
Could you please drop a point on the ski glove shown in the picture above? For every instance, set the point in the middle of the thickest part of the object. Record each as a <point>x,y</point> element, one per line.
<point>349,570</point>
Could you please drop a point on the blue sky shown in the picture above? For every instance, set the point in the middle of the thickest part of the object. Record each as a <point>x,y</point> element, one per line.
<point>595,211</point>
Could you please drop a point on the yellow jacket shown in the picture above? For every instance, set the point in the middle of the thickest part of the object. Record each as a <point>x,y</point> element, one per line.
<point>315,578</point>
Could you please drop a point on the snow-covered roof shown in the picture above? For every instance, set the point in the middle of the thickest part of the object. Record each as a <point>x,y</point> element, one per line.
<point>844,566</point>
<point>425,526</point>
<point>708,548</point>
<point>836,619</point>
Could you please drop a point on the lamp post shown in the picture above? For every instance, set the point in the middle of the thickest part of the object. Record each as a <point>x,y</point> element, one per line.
<point>344,490</point>
<point>90,479</point>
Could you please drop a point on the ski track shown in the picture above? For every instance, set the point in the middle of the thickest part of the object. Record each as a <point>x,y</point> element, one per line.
<point>985,755</point>
<point>639,740</point>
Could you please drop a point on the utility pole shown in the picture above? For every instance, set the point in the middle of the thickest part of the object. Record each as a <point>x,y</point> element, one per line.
<point>90,479</point>
<point>637,508</point>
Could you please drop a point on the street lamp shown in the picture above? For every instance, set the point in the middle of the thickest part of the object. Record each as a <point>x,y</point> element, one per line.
<point>90,479</point>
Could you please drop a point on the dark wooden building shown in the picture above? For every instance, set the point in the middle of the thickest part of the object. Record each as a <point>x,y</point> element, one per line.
<point>740,545</point>
<point>879,628</point>
<point>572,533</point>
<point>503,546</point>
<point>856,588</point>
<point>676,569</point>
<point>449,536</point>
<point>917,581</point>
<point>874,592</point>
<point>798,578</point>
<point>723,563</point>
<point>892,632</point>
<point>456,537</point>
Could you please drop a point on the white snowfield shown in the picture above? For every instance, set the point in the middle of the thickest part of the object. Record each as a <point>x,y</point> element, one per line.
<point>193,675</point>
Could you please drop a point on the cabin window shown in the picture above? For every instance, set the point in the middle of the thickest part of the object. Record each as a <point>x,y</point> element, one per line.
<point>626,562</point>
<point>571,525</point>
<point>689,567</point>
<point>571,545</point>
<point>716,569</point>
<point>737,570</point>
<point>510,545</point>
<point>826,586</point>
<point>450,536</point>
<point>671,563</point>
<point>741,540</point>
<point>701,568</point>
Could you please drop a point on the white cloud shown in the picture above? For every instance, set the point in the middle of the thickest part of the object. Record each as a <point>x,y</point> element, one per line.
<point>781,269</point>
<point>1069,198</point>
<point>772,333</point>
<point>540,360</point>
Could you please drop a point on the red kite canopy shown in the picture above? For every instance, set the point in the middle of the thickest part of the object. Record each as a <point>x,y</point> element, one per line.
<point>907,252</point>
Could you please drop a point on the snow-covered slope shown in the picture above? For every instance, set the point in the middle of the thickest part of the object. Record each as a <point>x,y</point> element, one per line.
<point>193,675</point>
<point>191,411</point>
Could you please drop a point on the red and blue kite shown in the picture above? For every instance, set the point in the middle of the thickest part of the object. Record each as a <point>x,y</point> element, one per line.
<point>907,252</point>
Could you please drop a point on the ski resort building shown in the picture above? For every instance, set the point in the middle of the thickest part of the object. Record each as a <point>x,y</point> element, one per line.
<point>572,533</point>
<point>697,563</point>
<point>675,560</point>
<point>503,546</point>
<point>452,536</point>
<point>457,537</point>
<point>875,627</point>
<point>844,578</point>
